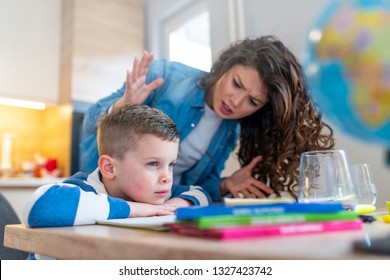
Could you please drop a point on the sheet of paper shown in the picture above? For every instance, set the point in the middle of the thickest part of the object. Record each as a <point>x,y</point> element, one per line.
<point>154,223</point>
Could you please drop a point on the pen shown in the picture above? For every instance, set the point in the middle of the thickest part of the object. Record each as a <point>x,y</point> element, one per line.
<point>367,218</point>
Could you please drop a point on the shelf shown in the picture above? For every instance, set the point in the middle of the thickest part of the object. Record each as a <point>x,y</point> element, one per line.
<point>27,182</point>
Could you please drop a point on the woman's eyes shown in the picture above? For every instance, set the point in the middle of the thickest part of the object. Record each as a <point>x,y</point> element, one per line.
<point>236,84</point>
<point>253,102</point>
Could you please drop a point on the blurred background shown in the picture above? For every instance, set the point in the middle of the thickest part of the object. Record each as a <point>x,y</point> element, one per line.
<point>63,55</point>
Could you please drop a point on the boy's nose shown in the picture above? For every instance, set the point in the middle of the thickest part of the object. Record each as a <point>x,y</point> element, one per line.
<point>165,179</point>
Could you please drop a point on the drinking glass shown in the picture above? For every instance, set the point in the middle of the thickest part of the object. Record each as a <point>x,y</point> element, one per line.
<point>324,176</point>
<point>364,186</point>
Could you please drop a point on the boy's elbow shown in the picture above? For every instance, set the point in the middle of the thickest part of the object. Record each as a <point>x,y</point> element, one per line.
<point>201,195</point>
<point>45,212</point>
<point>46,219</point>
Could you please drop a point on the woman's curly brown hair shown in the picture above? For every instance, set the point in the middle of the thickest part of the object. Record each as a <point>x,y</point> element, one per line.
<point>288,125</point>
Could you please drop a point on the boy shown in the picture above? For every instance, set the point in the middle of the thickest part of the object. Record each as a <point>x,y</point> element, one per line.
<point>138,148</point>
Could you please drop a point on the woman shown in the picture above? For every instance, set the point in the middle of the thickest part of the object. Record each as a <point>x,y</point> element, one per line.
<point>254,93</point>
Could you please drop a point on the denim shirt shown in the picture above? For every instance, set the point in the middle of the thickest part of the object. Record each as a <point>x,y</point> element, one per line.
<point>181,98</point>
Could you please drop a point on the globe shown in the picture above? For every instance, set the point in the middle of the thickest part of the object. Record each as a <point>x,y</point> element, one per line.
<point>347,66</point>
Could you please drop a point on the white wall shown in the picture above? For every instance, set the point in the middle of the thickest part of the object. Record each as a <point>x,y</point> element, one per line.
<point>30,50</point>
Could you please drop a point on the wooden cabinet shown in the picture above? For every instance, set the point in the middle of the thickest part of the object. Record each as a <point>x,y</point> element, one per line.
<point>100,40</point>
<point>30,36</point>
<point>54,51</point>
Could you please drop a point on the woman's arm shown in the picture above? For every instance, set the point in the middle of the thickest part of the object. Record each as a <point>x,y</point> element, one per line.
<point>88,149</point>
<point>134,91</point>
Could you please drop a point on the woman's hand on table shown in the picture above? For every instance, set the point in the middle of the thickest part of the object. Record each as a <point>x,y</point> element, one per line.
<point>242,184</point>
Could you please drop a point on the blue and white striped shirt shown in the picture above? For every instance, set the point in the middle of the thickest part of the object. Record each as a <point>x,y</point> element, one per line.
<point>82,199</point>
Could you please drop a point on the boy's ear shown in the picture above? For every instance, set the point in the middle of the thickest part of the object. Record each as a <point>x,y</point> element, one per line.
<point>106,166</point>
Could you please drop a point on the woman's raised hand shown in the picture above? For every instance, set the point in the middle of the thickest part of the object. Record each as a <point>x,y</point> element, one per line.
<point>136,89</point>
<point>242,184</point>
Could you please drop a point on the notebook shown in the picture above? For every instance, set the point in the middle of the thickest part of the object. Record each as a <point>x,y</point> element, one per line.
<point>195,212</point>
<point>241,232</point>
<point>232,220</point>
<point>158,223</point>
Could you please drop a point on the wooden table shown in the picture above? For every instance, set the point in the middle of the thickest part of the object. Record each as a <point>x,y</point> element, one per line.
<point>110,242</point>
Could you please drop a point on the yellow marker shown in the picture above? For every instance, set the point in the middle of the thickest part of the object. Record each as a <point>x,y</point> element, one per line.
<point>386,218</point>
<point>388,206</point>
<point>362,209</point>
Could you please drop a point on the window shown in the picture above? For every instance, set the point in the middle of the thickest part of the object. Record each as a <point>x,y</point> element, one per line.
<point>187,36</point>
<point>190,43</point>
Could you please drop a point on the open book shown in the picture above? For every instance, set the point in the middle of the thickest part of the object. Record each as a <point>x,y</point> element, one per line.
<point>158,223</point>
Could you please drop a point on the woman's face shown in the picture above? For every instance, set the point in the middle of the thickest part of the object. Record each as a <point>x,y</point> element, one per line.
<point>237,94</point>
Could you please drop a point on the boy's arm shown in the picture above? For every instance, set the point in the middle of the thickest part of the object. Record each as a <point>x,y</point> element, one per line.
<point>183,196</point>
<point>139,209</point>
<point>67,205</point>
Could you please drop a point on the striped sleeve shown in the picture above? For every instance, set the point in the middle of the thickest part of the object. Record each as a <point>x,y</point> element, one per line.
<point>196,194</point>
<point>67,205</point>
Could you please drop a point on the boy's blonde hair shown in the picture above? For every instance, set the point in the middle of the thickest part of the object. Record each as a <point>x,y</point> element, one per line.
<point>121,130</point>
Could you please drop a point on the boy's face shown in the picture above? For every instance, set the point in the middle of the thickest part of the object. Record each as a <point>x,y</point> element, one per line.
<point>145,174</point>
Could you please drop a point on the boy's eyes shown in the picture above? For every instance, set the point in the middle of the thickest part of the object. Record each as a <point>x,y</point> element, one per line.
<point>156,163</point>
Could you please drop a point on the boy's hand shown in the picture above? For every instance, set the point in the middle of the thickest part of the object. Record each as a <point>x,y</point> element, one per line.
<point>178,202</point>
<point>136,90</point>
<point>138,209</point>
